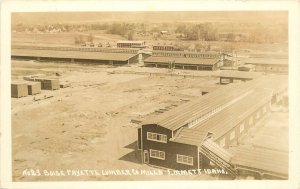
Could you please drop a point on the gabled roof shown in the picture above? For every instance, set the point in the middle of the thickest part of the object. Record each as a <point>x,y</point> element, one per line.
<point>225,120</point>
<point>261,159</point>
<point>72,54</point>
<point>239,74</point>
<point>271,61</point>
<point>184,114</point>
<point>190,136</point>
<point>181,60</point>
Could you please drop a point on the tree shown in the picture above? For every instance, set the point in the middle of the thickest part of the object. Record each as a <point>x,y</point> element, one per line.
<point>130,35</point>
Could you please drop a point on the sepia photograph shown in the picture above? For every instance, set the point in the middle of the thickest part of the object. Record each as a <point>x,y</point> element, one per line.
<point>150,95</point>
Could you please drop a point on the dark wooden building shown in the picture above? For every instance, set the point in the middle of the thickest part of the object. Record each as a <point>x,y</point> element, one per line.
<point>131,44</point>
<point>185,60</point>
<point>196,134</point>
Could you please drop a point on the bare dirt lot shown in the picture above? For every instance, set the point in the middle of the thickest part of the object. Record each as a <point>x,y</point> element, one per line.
<point>88,125</point>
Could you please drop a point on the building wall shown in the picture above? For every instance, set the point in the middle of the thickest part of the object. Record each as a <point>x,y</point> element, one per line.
<point>171,149</point>
<point>182,66</point>
<point>272,68</point>
<point>246,124</point>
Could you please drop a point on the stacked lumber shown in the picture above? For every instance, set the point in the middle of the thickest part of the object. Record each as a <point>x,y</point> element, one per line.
<point>65,85</point>
<point>50,84</point>
<point>34,88</point>
<point>19,89</point>
<point>33,77</point>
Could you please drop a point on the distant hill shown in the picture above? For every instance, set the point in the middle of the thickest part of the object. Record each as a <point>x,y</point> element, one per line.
<point>152,17</point>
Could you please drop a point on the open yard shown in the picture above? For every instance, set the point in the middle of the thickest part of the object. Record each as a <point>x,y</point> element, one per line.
<point>88,126</point>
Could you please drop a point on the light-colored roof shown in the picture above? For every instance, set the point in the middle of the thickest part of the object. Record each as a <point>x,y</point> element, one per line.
<point>262,159</point>
<point>275,61</point>
<point>181,60</point>
<point>239,74</point>
<point>72,54</point>
<point>18,82</point>
<point>72,48</point>
<point>124,41</point>
<point>216,149</point>
<point>190,136</point>
<point>269,55</point>
<point>225,120</point>
<point>184,114</point>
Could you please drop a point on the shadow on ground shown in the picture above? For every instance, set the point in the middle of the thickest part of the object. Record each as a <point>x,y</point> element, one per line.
<point>134,156</point>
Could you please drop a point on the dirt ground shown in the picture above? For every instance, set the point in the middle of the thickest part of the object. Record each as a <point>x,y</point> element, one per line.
<point>88,125</point>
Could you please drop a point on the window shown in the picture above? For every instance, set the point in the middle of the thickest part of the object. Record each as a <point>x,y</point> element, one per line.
<point>157,154</point>
<point>156,137</point>
<point>251,120</point>
<point>232,135</point>
<point>242,127</point>
<point>184,159</point>
<point>222,142</point>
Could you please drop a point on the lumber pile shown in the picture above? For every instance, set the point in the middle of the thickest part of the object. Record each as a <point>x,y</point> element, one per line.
<point>34,88</point>
<point>49,83</point>
<point>19,89</point>
<point>65,85</point>
<point>33,77</point>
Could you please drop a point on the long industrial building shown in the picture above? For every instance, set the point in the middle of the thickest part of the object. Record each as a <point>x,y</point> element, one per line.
<point>82,55</point>
<point>269,65</point>
<point>185,60</point>
<point>199,133</point>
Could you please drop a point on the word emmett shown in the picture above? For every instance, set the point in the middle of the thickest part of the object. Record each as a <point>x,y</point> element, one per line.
<point>118,172</point>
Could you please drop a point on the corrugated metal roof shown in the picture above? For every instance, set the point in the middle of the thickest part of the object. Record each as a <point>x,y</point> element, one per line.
<point>181,60</point>
<point>124,41</point>
<point>190,136</point>
<point>262,159</point>
<point>187,52</point>
<point>275,61</point>
<point>184,114</point>
<point>72,54</point>
<point>216,149</point>
<point>225,120</point>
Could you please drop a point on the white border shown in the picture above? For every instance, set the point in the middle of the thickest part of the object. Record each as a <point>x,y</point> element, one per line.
<point>165,5</point>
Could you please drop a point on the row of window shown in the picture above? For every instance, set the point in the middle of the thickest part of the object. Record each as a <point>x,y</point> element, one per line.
<point>242,127</point>
<point>157,137</point>
<point>187,160</point>
<point>186,55</point>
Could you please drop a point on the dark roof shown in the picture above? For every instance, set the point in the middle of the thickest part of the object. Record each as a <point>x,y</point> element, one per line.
<point>262,159</point>
<point>189,136</point>
<point>72,54</point>
<point>239,74</point>
<point>271,61</point>
<point>181,60</point>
